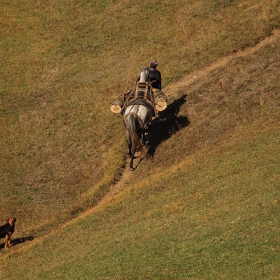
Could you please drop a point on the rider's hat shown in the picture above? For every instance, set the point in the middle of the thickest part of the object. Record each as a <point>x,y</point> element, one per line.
<point>153,64</point>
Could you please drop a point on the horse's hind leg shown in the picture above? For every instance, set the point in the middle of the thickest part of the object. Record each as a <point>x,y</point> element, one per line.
<point>130,152</point>
<point>131,160</point>
<point>129,149</point>
<point>129,144</point>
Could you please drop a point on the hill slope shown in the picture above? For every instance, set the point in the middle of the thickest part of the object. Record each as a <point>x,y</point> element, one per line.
<point>202,205</point>
<point>211,214</point>
<point>61,67</point>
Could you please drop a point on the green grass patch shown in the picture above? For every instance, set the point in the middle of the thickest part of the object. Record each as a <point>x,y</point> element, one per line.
<point>211,219</point>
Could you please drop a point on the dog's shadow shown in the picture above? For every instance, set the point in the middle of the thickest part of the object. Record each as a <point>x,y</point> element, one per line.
<point>18,241</point>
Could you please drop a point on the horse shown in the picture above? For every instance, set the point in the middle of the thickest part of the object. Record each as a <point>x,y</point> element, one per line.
<point>138,114</point>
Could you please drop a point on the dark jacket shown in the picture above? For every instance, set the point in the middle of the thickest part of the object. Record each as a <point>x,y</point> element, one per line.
<point>155,78</point>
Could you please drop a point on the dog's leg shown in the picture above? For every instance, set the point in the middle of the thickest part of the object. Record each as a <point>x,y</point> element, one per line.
<point>7,241</point>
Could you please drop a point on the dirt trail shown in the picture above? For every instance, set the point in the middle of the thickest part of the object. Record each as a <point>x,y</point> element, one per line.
<point>170,90</point>
<point>194,76</point>
<point>187,80</point>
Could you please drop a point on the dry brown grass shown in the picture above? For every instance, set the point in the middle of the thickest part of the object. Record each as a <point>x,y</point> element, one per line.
<point>62,65</point>
<point>202,204</point>
<point>217,102</point>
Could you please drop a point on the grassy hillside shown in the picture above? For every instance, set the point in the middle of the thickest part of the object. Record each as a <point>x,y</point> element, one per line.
<point>203,205</point>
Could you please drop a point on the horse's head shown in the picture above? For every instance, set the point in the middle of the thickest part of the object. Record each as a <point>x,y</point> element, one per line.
<point>144,75</point>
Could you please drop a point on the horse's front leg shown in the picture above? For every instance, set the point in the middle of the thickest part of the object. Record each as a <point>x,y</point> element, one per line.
<point>143,138</point>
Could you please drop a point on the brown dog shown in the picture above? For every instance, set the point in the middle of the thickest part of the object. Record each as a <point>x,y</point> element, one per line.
<point>7,230</point>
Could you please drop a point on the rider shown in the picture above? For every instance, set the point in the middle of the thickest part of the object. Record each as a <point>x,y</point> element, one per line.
<point>155,75</point>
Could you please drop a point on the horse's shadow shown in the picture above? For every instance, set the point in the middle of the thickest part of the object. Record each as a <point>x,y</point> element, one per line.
<point>166,124</point>
<point>18,241</point>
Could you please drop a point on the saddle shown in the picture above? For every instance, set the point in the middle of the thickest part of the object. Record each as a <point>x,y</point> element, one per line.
<point>144,94</point>
<point>143,91</point>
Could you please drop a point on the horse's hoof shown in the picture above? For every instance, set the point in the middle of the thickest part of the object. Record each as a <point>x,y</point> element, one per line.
<point>131,168</point>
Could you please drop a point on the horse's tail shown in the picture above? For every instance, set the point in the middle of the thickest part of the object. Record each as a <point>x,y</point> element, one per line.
<point>132,122</point>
